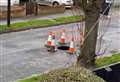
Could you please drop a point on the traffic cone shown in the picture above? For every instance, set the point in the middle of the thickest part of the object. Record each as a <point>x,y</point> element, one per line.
<point>53,47</point>
<point>62,38</point>
<point>49,39</point>
<point>72,48</point>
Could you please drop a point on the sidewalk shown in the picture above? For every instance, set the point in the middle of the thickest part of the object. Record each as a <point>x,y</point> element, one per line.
<point>28,18</point>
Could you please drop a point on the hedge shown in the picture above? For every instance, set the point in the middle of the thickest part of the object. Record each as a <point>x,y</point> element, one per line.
<point>70,74</point>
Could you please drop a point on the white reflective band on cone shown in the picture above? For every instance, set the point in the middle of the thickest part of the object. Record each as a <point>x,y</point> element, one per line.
<point>49,38</point>
<point>53,43</point>
<point>63,35</point>
<point>71,44</point>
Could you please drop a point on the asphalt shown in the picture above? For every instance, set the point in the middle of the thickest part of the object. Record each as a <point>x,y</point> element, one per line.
<point>23,54</point>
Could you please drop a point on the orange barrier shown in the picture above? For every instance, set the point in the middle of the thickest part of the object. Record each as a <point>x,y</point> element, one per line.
<point>75,37</point>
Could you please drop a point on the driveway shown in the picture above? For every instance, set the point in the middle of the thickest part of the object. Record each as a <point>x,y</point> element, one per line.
<point>23,53</point>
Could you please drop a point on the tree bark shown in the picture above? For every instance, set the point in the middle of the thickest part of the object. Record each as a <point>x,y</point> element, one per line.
<point>92,11</point>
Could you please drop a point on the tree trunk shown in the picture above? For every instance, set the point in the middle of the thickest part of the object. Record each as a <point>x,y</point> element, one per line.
<point>92,12</point>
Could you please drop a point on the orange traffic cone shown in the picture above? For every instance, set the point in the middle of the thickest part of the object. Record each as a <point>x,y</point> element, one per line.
<point>62,38</point>
<point>53,45</point>
<point>49,39</point>
<point>71,49</point>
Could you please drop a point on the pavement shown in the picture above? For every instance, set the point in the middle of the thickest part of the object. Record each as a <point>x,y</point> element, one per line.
<point>68,12</point>
<point>23,54</point>
<point>110,28</point>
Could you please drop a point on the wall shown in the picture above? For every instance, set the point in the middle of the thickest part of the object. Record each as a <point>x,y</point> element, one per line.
<point>21,11</point>
<point>43,10</point>
<point>16,11</point>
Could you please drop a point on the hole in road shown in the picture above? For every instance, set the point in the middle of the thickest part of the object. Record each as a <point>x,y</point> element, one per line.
<point>63,47</point>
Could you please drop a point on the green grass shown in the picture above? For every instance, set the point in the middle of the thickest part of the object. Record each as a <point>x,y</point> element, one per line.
<point>41,23</point>
<point>30,79</point>
<point>108,60</point>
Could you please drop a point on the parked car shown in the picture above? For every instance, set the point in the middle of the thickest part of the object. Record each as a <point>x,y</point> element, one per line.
<point>67,3</point>
<point>5,2</point>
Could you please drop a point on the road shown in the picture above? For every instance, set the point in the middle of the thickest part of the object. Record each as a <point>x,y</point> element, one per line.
<point>23,53</point>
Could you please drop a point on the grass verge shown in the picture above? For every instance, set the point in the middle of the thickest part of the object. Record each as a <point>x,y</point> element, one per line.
<point>108,60</point>
<point>41,23</point>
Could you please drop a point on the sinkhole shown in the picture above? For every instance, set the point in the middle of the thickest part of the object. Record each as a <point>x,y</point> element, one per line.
<point>63,47</point>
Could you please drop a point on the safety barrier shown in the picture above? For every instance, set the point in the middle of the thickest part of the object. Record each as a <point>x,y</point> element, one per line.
<point>65,39</point>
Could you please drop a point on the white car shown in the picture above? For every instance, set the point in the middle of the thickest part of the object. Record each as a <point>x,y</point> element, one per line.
<point>67,3</point>
<point>5,2</point>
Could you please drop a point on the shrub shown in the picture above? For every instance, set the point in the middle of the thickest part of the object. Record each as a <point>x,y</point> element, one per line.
<point>71,74</point>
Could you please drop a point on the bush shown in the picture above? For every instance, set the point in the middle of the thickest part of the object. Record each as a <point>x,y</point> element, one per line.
<point>71,74</point>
